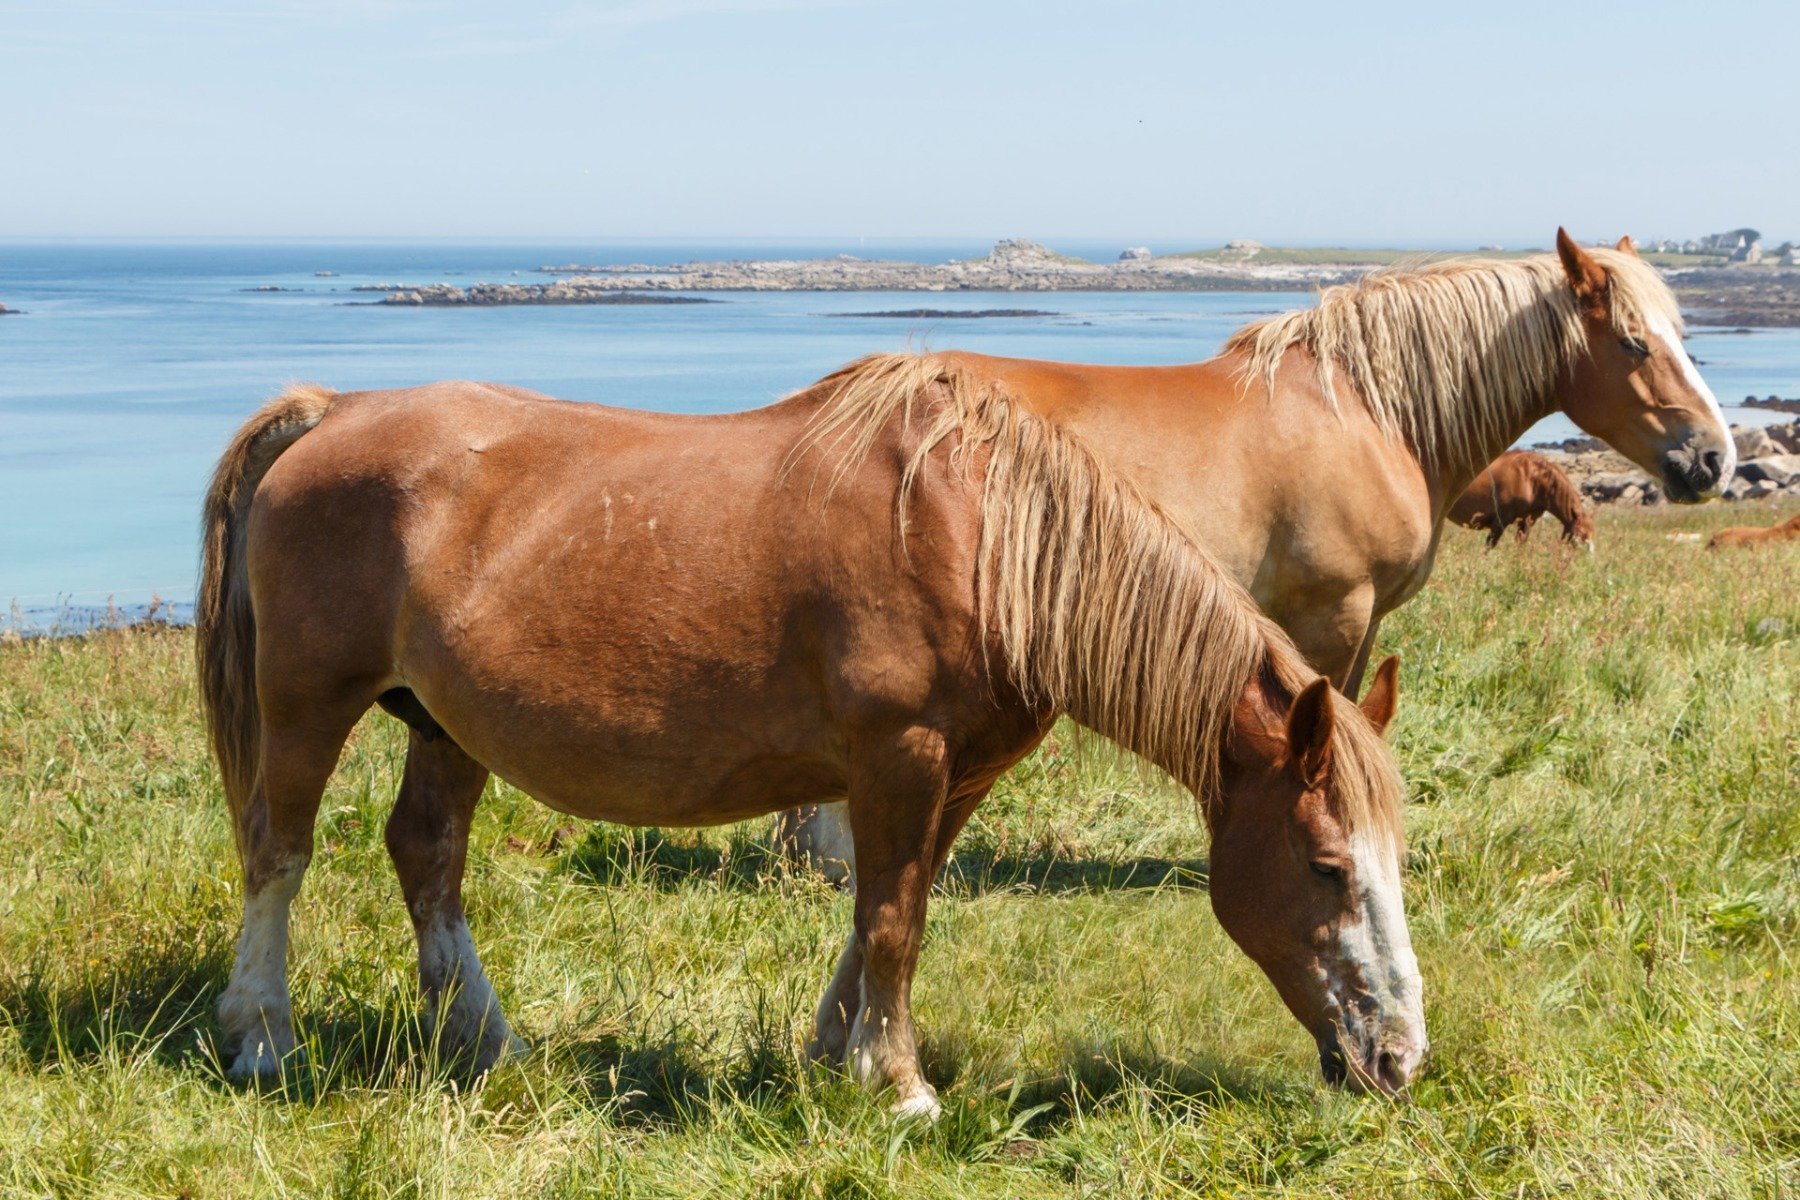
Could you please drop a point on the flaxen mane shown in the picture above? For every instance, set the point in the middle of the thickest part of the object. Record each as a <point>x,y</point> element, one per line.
<point>1450,356</point>
<point>1105,607</point>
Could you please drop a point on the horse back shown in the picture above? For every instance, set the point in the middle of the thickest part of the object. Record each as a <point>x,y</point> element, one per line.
<point>641,616</point>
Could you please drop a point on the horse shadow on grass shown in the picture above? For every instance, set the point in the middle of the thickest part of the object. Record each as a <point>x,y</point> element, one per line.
<point>159,1003</point>
<point>611,856</point>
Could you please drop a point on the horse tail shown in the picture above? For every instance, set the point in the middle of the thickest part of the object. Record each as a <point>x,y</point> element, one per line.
<point>224,622</point>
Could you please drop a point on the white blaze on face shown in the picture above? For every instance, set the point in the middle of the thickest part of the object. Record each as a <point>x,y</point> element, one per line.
<point>1662,331</point>
<point>1380,945</point>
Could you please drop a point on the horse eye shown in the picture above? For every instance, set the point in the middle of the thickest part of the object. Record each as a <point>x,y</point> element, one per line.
<point>1636,347</point>
<point>1325,870</point>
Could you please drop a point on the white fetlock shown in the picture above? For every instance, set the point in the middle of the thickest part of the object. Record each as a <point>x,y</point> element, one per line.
<point>921,1103</point>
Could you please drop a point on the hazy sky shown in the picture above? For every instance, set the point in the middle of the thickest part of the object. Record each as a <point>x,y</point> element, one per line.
<point>1154,122</point>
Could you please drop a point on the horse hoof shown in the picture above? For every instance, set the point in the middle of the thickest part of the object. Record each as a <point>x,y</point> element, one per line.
<point>258,1064</point>
<point>921,1105</point>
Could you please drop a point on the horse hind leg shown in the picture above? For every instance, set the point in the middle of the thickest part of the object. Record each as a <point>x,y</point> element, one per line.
<point>428,840</point>
<point>274,836</point>
<point>818,835</point>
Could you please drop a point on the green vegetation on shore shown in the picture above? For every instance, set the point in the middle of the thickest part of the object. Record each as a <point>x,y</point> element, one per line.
<point>1603,885</point>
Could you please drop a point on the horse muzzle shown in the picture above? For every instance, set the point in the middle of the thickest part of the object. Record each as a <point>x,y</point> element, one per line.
<point>1370,1064</point>
<point>1694,471</point>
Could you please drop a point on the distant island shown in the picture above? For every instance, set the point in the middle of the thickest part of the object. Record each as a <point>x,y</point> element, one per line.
<point>1715,287</point>
<point>950,314</point>
<point>488,295</point>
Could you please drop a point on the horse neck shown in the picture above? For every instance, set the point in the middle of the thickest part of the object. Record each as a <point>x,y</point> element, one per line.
<point>1562,498</point>
<point>1108,610</point>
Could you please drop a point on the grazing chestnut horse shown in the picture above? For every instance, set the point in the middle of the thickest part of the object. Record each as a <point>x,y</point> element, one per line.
<point>1515,490</point>
<point>886,587</point>
<point>1318,454</point>
<point>1786,531</point>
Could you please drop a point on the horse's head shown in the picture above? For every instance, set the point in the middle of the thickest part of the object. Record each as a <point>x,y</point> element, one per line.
<point>1306,874</point>
<point>1580,528</point>
<point>1634,385</point>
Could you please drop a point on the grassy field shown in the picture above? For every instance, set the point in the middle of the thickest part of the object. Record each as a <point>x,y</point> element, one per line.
<point>1603,882</point>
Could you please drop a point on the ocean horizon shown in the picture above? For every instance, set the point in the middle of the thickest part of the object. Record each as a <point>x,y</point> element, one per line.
<point>134,360</point>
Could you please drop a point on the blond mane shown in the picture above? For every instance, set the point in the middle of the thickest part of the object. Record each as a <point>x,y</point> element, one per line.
<point>1452,356</point>
<point>1104,606</point>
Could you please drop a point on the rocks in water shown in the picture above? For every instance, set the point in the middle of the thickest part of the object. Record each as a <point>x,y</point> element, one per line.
<point>8,312</point>
<point>1135,254</point>
<point>950,314</point>
<point>1773,404</point>
<point>481,295</point>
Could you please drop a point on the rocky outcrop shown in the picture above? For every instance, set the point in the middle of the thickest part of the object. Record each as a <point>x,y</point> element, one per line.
<point>1014,265</point>
<point>1768,465</point>
<point>443,295</point>
<point>8,312</point>
<point>1772,404</point>
<point>1741,295</point>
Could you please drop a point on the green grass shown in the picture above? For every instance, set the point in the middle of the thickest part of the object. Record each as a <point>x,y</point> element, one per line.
<point>1603,882</point>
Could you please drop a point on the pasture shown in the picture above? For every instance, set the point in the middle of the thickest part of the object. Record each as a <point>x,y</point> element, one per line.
<point>1603,753</point>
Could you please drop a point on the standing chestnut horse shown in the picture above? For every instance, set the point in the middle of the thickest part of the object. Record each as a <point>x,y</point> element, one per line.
<point>1515,490</point>
<point>1318,454</point>
<point>887,588</point>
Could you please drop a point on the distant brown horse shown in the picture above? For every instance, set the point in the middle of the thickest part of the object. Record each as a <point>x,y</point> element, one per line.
<point>887,587</point>
<point>1514,491</point>
<point>1785,531</point>
<point>1318,454</point>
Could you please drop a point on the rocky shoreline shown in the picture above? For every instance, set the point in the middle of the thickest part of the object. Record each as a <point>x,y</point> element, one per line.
<point>1768,465</point>
<point>491,295</point>
<point>1729,296</point>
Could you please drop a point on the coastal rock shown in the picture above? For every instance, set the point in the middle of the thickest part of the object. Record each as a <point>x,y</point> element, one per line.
<point>1785,436</point>
<point>1780,470</point>
<point>1606,487</point>
<point>1135,254</point>
<point>1753,443</point>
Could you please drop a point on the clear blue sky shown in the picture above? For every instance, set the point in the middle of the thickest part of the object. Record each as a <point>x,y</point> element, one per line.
<point>1156,122</point>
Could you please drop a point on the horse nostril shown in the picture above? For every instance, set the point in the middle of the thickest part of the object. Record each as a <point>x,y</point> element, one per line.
<point>1713,463</point>
<point>1388,1072</point>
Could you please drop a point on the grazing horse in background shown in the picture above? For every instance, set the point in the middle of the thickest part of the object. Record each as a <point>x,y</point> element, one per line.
<point>1515,490</point>
<point>887,587</point>
<point>1786,531</point>
<point>1318,454</point>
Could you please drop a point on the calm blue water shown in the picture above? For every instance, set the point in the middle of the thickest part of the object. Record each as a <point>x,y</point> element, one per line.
<point>134,363</point>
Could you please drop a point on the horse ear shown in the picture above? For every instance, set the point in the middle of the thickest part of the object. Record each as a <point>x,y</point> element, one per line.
<point>1384,694</point>
<point>1627,246</point>
<point>1586,276</point>
<point>1309,728</point>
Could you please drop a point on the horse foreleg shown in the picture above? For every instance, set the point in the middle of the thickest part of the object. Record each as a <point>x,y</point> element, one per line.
<point>275,836</point>
<point>897,794</point>
<point>428,839</point>
<point>843,995</point>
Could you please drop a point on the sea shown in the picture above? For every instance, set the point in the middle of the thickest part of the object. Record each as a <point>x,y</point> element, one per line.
<point>131,363</point>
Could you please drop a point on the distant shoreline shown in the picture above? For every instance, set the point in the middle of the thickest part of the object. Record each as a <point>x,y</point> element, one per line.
<point>1712,295</point>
